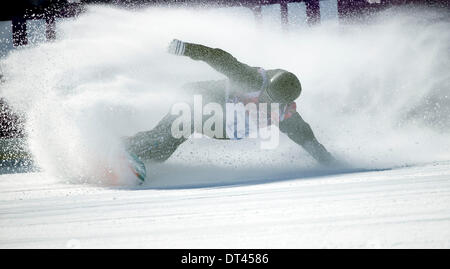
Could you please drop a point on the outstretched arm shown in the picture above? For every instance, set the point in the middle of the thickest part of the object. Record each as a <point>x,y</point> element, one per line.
<point>301,133</point>
<point>218,59</point>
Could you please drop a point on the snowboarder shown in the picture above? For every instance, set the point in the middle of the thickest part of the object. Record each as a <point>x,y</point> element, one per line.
<point>244,84</point>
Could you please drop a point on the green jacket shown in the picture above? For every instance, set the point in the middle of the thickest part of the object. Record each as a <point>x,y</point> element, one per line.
<point>247,77</point>
<point>250,79</point>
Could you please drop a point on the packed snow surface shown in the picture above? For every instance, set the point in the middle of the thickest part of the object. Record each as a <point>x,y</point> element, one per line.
<point>400,208</point>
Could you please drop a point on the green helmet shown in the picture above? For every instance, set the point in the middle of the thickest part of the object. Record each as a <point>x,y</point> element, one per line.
<point>284,87</point>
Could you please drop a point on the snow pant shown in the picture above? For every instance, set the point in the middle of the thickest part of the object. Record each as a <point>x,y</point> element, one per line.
<point>159,144</point>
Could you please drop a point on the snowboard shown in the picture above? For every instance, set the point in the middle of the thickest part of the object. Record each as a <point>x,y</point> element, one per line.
<point>124,167</point>
<point>136,166</point>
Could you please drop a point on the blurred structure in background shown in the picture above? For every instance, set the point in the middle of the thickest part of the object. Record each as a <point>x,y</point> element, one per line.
<point>9,122</point>
<point>350,10</point>
<point>20,11</point>
<point>14,156</point>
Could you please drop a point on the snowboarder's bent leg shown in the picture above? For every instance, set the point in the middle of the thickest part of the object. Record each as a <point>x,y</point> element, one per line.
<point>159,144</point>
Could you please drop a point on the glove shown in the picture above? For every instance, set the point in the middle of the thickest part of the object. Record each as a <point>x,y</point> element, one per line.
<point>176,47</point>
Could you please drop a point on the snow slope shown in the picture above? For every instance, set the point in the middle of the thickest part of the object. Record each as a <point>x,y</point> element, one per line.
<point>400,208</point>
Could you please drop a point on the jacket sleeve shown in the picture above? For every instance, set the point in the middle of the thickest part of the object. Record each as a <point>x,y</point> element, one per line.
<point>224,63</point>
<point>301,133</point>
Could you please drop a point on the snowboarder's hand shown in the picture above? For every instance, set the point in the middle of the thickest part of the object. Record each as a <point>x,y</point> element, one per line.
<point>176,47</point>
